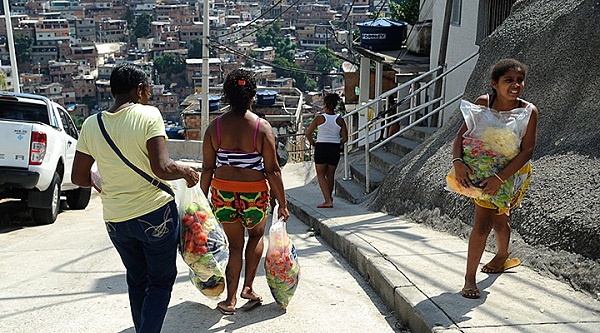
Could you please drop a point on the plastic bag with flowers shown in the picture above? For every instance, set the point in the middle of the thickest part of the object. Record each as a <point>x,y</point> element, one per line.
<point>491,141</point>
<point>203,244</point>
<point>281,263</point>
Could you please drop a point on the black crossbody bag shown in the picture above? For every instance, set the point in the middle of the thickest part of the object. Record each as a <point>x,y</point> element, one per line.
<point>111,143</point>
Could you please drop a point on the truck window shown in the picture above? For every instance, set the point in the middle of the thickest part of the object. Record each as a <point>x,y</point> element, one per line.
<point>67,123</point>
<point>24,112</point>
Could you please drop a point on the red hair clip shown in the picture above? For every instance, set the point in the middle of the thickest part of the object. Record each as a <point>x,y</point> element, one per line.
<point>241,82</point>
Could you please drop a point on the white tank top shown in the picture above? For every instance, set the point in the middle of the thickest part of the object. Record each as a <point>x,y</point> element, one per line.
<point>329,131</point>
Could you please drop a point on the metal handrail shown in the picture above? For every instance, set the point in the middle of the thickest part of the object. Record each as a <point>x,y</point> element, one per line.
<point>369,124</point>
<point>391,92</point>
<point>405,129</point>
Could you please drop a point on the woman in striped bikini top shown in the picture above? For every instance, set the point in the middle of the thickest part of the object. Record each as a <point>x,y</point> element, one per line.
<point>239,158</point>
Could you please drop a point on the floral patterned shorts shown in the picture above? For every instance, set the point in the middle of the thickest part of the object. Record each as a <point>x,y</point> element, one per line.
<point>244,202</point>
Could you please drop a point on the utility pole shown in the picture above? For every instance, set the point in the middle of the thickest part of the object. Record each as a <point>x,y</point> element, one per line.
<point>442,58</point>
<point>205,68</point>
<point>11,48</point>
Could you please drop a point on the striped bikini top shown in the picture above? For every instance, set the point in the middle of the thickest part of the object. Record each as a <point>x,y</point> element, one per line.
<point>239,158</point>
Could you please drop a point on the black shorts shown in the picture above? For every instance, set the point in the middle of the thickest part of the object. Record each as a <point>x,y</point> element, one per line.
<point>327,153</point>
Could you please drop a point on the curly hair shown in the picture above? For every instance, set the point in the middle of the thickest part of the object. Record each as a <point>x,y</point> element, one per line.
<point>126,77</point>
<point>331,101</point>
<point>239,89</point>
<point>501,67</point>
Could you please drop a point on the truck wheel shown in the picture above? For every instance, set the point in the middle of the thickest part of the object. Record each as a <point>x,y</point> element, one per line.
<point>48,215</point>
<point>78,198</point>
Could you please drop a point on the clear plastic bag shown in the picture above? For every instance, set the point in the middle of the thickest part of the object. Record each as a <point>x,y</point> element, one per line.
<point>491,141</point>
<point>281,263</point>
<point>203,244</point>
<point>95,177</point>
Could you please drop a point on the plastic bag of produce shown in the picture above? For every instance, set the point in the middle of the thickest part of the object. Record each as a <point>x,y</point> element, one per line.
<point>281,263</point>
<point>203,244</point>
<point>491,141</point>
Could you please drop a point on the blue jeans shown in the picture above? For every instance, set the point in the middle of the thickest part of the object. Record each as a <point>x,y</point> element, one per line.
<point>148,248</point>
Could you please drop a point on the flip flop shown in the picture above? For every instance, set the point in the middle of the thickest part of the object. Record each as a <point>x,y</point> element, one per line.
<point>258,298</point>
<point>471,293</point>
<point>325,206</point>
<point>508,264</point>
<point>224,311</point>
<point>251,304</point>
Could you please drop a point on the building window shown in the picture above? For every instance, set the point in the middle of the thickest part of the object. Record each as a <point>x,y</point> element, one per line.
<point>498,11</point>
<point>456,12</point>
<point>491,15</point>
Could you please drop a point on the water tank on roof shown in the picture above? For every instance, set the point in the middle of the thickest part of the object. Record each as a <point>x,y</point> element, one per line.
<point>266,97</point>
<point>382,34</point>
<point>213,102</point>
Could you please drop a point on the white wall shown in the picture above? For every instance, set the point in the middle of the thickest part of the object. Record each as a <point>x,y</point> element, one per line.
<point>461,44</point>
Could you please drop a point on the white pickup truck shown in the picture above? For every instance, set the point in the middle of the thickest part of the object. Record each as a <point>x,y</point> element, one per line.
<point>37,147</point>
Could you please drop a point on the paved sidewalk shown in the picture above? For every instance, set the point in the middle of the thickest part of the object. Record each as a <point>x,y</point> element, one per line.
<point>418,272</point>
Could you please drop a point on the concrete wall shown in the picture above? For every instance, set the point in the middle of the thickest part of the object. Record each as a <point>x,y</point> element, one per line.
<point>185,149</point>
<point>461,44</point>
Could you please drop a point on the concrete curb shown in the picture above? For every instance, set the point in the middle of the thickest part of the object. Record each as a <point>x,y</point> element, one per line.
<point>397,292</point>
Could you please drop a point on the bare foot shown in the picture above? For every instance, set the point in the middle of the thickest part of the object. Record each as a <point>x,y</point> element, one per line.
<point>325,205</point>
<point>495,264</point>
<point>248,293</point>
<point>226,308</point>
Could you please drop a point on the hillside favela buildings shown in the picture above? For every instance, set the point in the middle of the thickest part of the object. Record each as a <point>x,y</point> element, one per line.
<point>66,49</point>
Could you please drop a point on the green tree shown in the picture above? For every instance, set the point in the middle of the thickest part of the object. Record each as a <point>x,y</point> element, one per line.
<point>405,10</point>
<point>142,26</point>
<point>270,35</point>
<point>195,49</point>
<point>169,63</point>
<point>130,18</point>
<point>23,48</point>
<point>325,60</point>
<point>3,84</point>
<point>302,81</point>
<point>249,63</point>
<point>78,120</point>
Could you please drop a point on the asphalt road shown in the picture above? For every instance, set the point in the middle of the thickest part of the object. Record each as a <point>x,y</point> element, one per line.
<point>67,277</point>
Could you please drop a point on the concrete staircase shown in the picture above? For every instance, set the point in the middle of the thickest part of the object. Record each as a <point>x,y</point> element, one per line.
<point>381,162</point>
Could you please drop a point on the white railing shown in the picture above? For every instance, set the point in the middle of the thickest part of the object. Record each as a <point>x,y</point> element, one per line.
<point>390,118</point>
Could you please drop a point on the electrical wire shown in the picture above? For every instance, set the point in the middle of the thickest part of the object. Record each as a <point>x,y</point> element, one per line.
<point>299,70</point>
<point>259,28</point>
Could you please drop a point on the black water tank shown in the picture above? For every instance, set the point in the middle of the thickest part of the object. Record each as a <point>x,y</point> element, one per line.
<point>266,97</point>
<point>382,34</point>
<point>213,102</point>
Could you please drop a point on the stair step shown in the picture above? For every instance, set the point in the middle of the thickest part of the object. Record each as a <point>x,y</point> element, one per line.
<point>401,146</point>
<point>350,190</point>
<point>384,161</point>
<point>358,171</point>
<point>419,133</point>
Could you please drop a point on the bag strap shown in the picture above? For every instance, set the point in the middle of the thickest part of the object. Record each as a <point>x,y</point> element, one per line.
<point>111,143</point>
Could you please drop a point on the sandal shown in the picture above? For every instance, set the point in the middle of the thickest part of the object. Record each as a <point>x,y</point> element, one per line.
<point>253,296</point>
<point>225,311</point>
<point>508,264</point>
<point>471,293</point>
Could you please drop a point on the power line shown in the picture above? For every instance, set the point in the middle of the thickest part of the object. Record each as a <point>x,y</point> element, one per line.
<point>299,70</point>
<point>254,20</point>
<point>261,27</point>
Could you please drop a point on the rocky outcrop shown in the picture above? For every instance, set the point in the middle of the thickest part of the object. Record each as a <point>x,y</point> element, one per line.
<point>557,230</point>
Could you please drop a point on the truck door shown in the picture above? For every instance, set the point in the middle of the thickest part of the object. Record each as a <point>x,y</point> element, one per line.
<point>71,136</point>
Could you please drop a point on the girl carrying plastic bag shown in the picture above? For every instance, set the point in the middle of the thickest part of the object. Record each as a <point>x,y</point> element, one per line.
<point>203,244</point>
<point>281,263</point>
<point>491,141</point>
